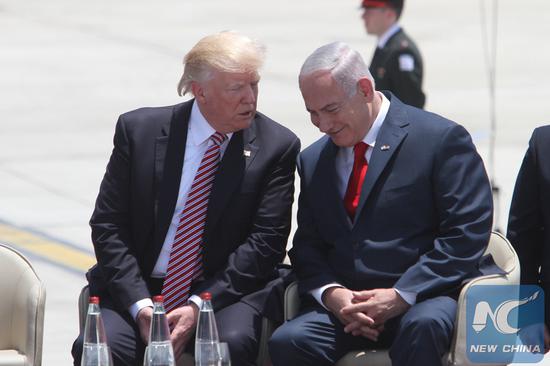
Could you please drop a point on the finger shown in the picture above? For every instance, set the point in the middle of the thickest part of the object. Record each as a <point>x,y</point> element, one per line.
<point>352,327</point>
<point>355,308</point>
<point>178,351</point>
<point>177,345</point>
<point>362,295</point>
<point>362,318</point>
<point>370,333</point>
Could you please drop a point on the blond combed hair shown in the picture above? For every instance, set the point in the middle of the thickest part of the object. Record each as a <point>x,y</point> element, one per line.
<point>227,51</point>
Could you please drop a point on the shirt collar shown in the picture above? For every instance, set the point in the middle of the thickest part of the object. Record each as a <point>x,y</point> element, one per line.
<point>371,136</point>
<point>200,129</point>
<point>388,34</point>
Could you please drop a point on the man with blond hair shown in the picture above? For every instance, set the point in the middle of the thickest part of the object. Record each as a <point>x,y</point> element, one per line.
<point>196,198</point>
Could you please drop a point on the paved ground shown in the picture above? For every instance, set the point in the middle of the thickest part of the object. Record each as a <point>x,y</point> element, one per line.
<point>68,68</point>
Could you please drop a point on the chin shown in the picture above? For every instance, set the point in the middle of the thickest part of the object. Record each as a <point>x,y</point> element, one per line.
<point>340,142</point>
<point>241,125</point>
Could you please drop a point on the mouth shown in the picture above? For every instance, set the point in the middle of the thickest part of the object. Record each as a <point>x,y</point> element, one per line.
<point>247,114</point>
<point>332,133</point>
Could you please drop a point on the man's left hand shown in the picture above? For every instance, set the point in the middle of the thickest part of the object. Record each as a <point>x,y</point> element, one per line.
<point>378,304</point>
<point>182,322</point>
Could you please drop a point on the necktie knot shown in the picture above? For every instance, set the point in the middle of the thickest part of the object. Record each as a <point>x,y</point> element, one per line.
<point>360,149</point>
<point>218,138</point>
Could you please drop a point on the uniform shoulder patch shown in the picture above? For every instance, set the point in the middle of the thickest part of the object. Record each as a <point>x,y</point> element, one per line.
<point>406,62</point>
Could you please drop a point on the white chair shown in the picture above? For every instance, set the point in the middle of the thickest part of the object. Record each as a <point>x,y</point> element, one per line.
<point>21,310</point>
<point>504,256</point>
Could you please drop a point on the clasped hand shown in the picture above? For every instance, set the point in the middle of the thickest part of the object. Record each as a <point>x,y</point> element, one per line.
<point>364,313</point>
<point>182,322</point>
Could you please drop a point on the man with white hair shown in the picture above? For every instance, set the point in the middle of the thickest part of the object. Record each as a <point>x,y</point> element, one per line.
<point>196,198</point>
<point>395,211</point>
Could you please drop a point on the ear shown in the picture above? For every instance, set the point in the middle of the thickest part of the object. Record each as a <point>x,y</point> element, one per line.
<point>198,91</point>
<point>366,88</point>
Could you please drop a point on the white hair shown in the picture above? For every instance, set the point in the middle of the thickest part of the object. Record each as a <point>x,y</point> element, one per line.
<point>226,51</point>
<point>344,63</point>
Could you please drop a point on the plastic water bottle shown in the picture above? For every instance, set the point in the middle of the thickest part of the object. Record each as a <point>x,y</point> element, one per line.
<point>159,351</point>
<point>95,351</point>
<point>206,340</point>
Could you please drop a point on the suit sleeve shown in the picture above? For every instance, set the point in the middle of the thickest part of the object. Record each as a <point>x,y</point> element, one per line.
<point>464,211</point>
<point>309,252</point>
<point>525,224</point>
<point>110,225</point>
<point>251,264</point>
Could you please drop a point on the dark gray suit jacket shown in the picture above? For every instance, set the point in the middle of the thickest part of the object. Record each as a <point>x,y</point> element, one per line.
<point>529,221</point>
<point>424,217</point>
<point>249,211</point>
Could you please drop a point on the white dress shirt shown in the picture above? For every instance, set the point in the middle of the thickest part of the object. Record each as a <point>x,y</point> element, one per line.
<point>198,141</point>
<point>344,166</point>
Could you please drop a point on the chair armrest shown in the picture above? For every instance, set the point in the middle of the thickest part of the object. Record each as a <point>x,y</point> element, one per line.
<point>458,352</point>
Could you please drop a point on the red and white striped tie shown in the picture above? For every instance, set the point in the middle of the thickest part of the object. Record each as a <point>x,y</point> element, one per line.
<point>185,264</point>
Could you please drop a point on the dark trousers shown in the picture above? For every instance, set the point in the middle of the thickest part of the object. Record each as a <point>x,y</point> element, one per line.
<point>238,324</point>
<point>419,337</point>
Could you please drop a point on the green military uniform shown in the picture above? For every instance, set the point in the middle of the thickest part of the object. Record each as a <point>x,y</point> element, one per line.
<point>397,67</point>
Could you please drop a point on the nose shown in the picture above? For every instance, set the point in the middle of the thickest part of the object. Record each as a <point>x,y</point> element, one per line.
<point>324,124</point>
<point>250,94</point>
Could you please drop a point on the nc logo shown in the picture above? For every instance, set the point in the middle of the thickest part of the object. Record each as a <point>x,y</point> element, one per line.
<point>500,316</point>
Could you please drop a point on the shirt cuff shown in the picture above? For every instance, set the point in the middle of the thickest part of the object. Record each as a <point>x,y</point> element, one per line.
<point>138,305</point>
<point>196,300</point>
<point>318,293</point>
<point>408,296</point>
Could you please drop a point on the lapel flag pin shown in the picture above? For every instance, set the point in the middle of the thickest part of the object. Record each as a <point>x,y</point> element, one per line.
<point>384,147</point>
<point>246,153</point>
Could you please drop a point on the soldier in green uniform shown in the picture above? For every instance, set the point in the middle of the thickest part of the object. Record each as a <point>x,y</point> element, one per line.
<point>397,64</point>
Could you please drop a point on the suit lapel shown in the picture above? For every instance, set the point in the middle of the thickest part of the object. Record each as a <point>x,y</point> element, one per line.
<point>325,186</point>
<point>391,135</point>
<point>169,157</point>
<point>237,158</point>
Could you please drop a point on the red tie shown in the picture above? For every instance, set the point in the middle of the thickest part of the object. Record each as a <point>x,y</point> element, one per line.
<point>353,192</point>
<point>185,263</point>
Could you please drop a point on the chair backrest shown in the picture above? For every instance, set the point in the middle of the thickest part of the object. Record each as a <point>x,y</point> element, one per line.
<point>22,306</point>
<point>503,254</point>
<point>83,300</point>
<point>506,258</point>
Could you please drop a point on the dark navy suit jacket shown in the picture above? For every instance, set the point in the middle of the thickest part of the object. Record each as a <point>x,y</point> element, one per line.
<point>248,217</point>
<point>424,217</point>
<point>529,221</point>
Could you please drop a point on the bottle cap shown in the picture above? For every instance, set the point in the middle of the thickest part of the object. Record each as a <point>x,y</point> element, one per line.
<point>158,298</point>
<point>94,300</point>
<point>206,296</point>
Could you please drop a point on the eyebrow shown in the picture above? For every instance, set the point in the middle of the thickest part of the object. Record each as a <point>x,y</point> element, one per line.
<point>325,108</point>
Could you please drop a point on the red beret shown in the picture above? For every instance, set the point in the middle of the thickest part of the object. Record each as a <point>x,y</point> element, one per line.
<point>382,4</point>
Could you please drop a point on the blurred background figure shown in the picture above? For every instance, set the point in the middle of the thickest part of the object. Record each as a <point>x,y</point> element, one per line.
<point>529,220</point>
<point>397,64</point>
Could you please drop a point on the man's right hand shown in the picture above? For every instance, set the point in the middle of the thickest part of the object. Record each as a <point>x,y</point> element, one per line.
<point>337,298</point>
<point>143,320</point>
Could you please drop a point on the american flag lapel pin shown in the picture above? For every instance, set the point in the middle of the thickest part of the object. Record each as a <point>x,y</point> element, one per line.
<point>384,147</point>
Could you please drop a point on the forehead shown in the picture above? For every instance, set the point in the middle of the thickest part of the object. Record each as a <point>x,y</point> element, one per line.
<point>320,89</point>
<point>229,77</point>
